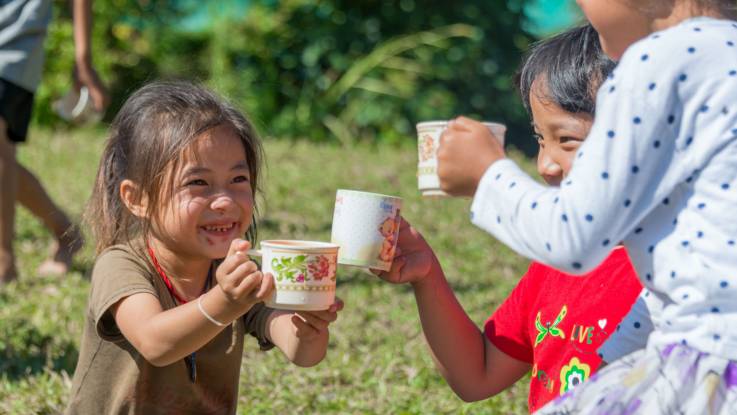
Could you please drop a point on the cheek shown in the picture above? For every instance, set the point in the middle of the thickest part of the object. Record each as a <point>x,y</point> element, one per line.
<point>245,201</point>
<point>566,161</point>
<point>541,163</point>
<point>188,208</point>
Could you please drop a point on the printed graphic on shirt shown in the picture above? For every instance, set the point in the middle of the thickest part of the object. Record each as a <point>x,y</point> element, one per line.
<point>583,336</point>
<point>547,381</point>
<point>552,329</point>
<point>573,374</point>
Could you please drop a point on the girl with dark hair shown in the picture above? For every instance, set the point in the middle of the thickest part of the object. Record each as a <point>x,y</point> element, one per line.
<point>173,291</point>
<point>658,171</point>
<point>552,323</point>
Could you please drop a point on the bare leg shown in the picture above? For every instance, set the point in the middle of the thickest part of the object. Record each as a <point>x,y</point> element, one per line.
<point>68,238</point>
<point>8,183</point>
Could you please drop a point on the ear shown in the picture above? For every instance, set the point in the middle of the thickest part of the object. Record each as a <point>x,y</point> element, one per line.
<point>131,196</point>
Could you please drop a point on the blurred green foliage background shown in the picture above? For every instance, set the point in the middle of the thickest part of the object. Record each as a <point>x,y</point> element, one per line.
<point>322,70</point>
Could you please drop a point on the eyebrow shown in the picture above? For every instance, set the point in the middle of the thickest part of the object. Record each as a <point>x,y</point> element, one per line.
<point>194,170</point>
<point>564,124</point>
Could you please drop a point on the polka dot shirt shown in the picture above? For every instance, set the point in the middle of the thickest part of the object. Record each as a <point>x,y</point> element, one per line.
<point>658,172</point>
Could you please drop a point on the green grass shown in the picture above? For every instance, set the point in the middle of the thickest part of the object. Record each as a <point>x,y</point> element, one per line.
<point>377,360</point>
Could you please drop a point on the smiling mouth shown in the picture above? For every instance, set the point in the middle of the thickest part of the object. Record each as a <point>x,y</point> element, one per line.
<point>220,229</point>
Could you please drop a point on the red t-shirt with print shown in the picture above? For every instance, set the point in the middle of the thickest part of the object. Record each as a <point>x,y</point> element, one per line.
<point>556,322</point>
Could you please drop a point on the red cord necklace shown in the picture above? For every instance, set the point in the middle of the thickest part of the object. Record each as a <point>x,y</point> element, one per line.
<point>162,274</point>
<point>191,360</point>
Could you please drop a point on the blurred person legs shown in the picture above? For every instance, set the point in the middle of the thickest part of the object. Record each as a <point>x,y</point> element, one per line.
<point>20,185</point>
<point>67,237</point>
<point>8,183</point>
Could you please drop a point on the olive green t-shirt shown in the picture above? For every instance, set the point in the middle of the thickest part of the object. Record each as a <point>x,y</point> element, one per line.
<point>113,378</point>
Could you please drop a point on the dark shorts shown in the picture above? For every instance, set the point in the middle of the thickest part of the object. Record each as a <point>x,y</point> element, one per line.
<point>16,104</point>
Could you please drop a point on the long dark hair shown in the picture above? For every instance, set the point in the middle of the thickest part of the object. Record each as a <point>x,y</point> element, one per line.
<point>572,66</point>
<point>147,140</point>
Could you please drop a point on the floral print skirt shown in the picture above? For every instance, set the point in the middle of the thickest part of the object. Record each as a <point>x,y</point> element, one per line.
<point>675,379</point>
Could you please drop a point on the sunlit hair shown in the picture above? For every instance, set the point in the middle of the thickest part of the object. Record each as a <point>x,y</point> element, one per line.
<point>148,141</point>
<point>569,68</point>
<point>725,8</point>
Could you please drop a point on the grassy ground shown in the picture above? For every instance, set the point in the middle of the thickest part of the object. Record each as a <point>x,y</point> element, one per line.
<point>377,361</point>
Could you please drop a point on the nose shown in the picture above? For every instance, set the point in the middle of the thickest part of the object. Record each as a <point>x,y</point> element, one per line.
<point>222,203</point>
<point>549,169</point>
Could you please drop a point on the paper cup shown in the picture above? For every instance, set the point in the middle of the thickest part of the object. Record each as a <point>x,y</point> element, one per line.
<point>366,227</point>
<point>428,140</point>
<point>77,107</point>
<point>304,273</point>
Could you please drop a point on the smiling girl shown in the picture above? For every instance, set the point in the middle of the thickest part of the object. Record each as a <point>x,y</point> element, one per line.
<point>173,292</point>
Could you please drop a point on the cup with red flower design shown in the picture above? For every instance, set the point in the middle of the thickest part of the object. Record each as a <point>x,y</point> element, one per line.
<point>304,273</point>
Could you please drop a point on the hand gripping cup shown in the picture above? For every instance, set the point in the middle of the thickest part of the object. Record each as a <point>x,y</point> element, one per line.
<point>428,141</point>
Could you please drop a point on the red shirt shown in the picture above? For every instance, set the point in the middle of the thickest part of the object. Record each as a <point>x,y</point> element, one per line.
<point>556,322</point>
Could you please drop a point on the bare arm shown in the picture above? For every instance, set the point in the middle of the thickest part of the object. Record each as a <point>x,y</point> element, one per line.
<point>85,73</point>
<point>303,336</point>
<point>163,337</point>
<point>473,367</point>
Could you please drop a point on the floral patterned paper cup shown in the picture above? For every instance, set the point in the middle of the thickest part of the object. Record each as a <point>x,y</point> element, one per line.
<point>304,273</point>
<point>366,227</point>
<point>428,140</point>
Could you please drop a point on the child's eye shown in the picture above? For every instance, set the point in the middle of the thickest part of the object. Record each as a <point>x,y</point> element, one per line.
<point>572,140</point>
<point>196,182</point>
<point>240,179</point>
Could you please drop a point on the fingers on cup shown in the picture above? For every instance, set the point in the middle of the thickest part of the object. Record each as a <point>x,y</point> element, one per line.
<point>403,223</point>
<point>267,286</point>
<point>395,272</point>
<point>243,270</point>
<point>338,304</point>
<point>232,262</point>
<point>248,284</point>
<point>238,245</point>
<point>326,316</point>
<point>317,320</point>
<point>467,123</point>
<point>302,328</point>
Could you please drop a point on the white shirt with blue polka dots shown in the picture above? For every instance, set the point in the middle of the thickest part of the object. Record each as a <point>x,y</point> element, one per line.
<point>658,172</point>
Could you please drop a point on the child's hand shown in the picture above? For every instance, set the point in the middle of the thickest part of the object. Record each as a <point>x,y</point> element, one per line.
<point>413,258</point>
<point>239,277</point>
<point>467,149</point>
<point>311,324</point>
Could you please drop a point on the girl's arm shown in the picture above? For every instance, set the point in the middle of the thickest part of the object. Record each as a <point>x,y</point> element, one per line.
<point>164,337</point>
<point>302,335</point>
<point>473,367</point>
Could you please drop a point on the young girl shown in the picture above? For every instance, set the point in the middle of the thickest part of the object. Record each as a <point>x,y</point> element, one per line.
<point>658,171</point>
<point>552,323</point>
<point>166,318</point>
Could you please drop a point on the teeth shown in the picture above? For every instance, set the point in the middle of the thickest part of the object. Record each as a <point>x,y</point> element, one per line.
<point>221,228</point>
